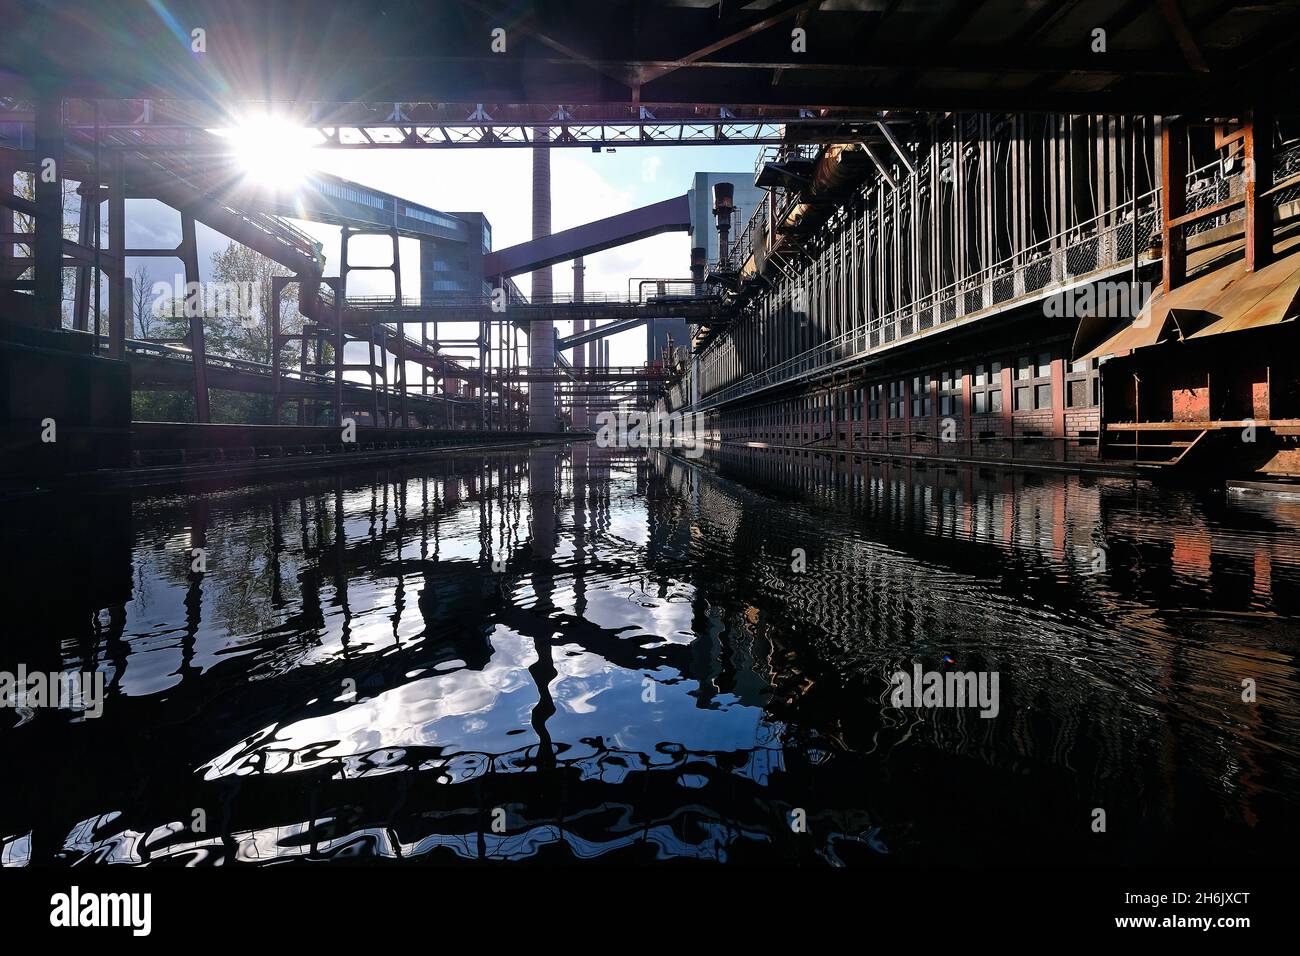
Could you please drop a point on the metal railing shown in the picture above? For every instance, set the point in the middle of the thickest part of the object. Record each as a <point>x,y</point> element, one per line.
<point>470,300</point>
<point>181,354</point>
<point>1082,252</point>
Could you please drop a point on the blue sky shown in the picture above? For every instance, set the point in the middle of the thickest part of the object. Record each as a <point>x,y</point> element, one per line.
<point>584,186</point>
<point>498,182</point>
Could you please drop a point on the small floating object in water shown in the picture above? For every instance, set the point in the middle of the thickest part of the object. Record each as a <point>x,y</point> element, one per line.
<point>948,659</point>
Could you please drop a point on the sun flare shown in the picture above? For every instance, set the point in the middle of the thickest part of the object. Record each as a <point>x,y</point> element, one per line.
<point>271,151</point>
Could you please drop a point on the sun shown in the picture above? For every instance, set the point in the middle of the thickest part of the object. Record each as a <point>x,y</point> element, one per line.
<point>272,152</point>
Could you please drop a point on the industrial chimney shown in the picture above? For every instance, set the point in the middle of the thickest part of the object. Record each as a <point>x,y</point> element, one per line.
<point>723,206</point>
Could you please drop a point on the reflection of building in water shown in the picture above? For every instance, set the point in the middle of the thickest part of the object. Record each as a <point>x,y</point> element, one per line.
<point>1013,573</point>
<point>1081,523</point>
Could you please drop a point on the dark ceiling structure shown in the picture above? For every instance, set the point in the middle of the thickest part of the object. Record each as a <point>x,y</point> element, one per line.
<point>1068,55</point>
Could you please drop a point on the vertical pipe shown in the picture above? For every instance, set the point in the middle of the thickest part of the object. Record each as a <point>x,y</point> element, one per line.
<point>98,239</point>
<point>580,417</point>
<point>117,242</point>
<point>8,269</point>
<point>399,367</point>
<point>340,342</point>
<point>81,297</point>
<point>47,249</point>
<point>541,334</point>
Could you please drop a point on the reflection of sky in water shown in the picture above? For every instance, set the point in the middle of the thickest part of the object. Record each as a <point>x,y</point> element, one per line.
<point>490,710</point>
<point>599,705</point>
<point>755,674</point>
<point>459,710</point>
<point>597,700</point>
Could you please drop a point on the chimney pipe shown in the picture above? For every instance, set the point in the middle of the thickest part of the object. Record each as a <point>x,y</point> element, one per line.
<point>699,263</point>
<point>723,206</point>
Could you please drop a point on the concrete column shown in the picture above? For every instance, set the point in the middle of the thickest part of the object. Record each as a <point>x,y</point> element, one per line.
<point>541,335</point>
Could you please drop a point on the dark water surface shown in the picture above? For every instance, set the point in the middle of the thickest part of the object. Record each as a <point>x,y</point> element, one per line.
<point>562,655</point>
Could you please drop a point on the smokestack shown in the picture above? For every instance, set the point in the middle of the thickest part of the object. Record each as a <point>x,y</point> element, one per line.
<point>699,262</point>
<point>723,206</point>
<point>541,335</point>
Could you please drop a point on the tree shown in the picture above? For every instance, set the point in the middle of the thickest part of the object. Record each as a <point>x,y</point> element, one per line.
<point>142,302</point>
<point>248,337</point>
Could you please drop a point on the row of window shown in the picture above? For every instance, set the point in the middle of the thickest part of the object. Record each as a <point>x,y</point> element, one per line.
<point>447,285</point>
<point>1031,388</point>
<point>349,193</point>
<point>425,215</point>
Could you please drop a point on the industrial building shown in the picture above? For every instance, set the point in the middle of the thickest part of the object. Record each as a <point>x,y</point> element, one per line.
<point>983,372</point>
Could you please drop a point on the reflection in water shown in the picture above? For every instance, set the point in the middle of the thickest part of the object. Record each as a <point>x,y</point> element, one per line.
<point>566,654</point>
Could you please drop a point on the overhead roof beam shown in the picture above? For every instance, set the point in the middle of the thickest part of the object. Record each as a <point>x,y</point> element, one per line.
<point>783,10</point>
<point>1173,15</point>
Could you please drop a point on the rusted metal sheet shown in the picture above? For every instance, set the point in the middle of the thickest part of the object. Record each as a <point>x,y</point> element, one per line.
<point>1151,327</point>
<point>1230,299</point>
<point>1192,403</point>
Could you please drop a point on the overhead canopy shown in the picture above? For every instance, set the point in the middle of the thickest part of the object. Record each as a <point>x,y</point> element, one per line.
<point>1230,299</point>
<point>936,54</point>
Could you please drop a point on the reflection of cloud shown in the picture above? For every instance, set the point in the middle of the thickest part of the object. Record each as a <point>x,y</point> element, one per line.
<point>446,709</point>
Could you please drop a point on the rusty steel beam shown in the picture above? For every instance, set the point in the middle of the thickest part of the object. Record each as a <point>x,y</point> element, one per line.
<point>1258,148</point>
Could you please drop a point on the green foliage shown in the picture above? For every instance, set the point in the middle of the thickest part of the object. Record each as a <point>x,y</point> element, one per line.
<point>162,407</point>
<point>232,336</point>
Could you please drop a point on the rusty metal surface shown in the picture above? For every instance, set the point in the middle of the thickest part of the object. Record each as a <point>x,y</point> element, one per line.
<point>1230,299</point>
<point>1151,327</point>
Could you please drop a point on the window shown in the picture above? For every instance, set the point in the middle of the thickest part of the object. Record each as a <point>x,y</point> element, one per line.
<point>428,215</point>
<point>921,396</point>
<point>950,385</point>
<point>875,395</point>
<point>1033,386</point>
<point>986,389</point>
<point>349,193</point>
<point>897,399</point>
<point>1083,385</point>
